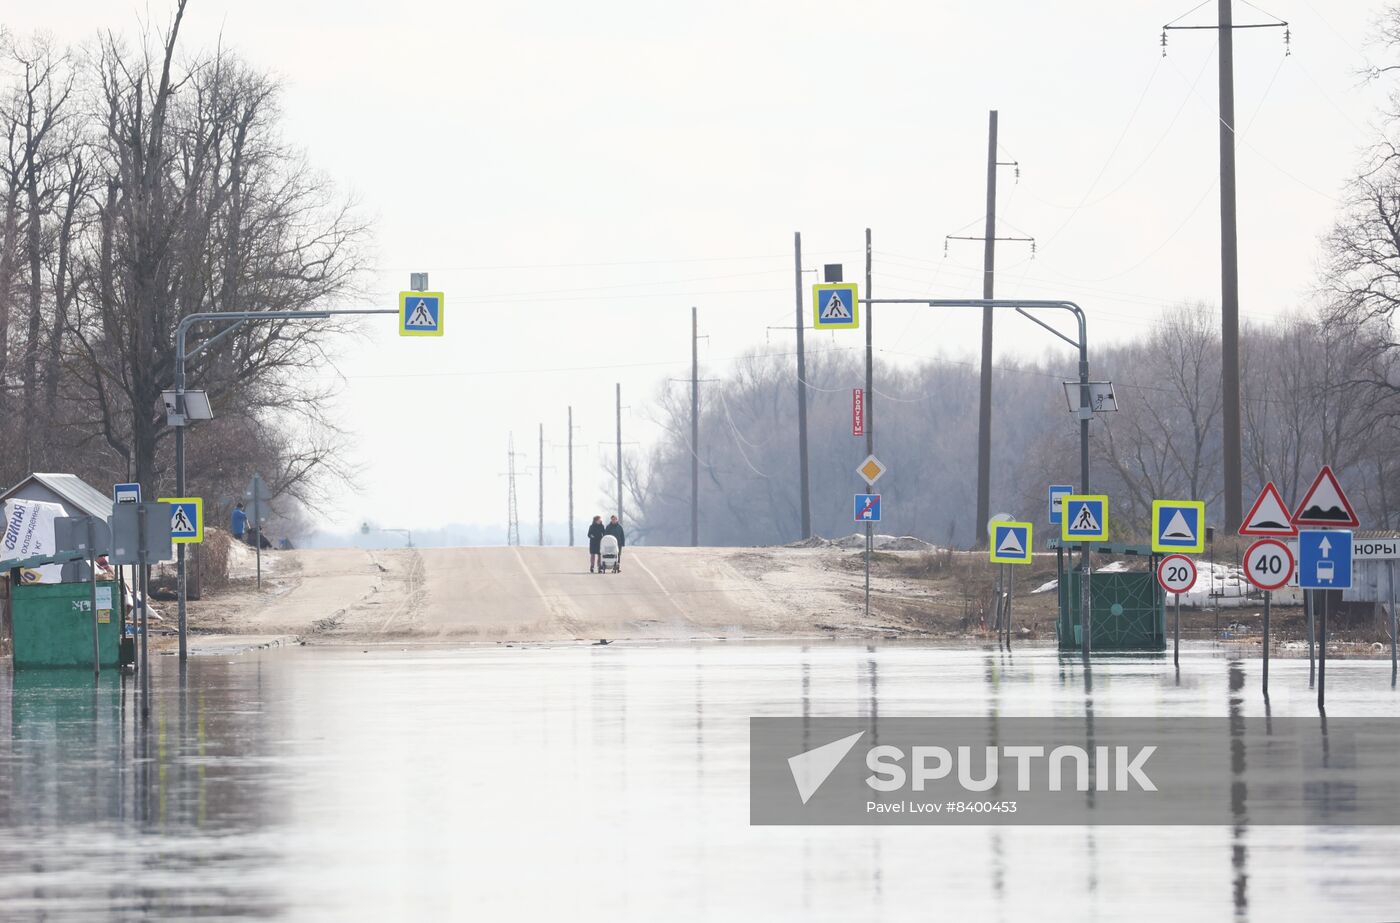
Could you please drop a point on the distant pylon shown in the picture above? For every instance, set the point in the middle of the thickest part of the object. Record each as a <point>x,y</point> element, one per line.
<point>513,524</point>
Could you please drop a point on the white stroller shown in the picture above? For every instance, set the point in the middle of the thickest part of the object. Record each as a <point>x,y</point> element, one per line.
<point>609,555</point>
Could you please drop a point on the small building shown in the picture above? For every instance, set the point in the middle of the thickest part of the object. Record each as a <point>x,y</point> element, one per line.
<point>76,496</point>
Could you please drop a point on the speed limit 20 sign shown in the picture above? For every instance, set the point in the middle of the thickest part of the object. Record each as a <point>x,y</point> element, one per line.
<point>1268,564</point>
<point>1176,573</point>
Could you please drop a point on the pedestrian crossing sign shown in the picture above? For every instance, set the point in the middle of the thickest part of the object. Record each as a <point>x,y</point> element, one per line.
<point>420,314</point>
<point>1011,542</point>
<point>1085,518</point>
<point>835,305</point>
<point>186,519</point>
<point>1178,526</point>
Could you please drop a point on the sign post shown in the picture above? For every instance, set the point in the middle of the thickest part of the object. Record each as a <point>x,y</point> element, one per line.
<point>870,471</point>
<point>1269,565</point>
<point>1324,559</point>
<point>1084,518</point>
<point>1010,542</point>
<point>1177,574</point>
<point>1269,518</point>
<point>257,494</point>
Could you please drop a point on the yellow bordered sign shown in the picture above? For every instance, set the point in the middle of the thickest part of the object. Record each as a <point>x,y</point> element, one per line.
<point>186,519</point>
<point>835,305</point>
<point>1012,542</point>
<point>1179,525</point>
<point>1084,518</point>
<point>420,314</point>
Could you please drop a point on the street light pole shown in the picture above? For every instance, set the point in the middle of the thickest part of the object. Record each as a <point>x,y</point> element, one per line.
<point>235,320</point>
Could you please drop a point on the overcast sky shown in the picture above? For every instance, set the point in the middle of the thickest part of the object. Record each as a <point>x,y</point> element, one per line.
<point>576,176</point>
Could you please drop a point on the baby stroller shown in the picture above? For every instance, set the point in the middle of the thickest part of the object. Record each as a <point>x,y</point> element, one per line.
<point>609,555</point>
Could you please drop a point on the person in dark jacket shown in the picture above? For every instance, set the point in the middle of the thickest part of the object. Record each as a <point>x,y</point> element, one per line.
<point>595,543</point>
<point>615,530</point>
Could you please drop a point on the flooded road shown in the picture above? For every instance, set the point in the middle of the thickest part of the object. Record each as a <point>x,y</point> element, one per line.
<point>600,782</point>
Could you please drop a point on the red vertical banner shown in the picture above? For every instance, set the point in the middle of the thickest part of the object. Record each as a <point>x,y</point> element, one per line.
<point>857,411</point>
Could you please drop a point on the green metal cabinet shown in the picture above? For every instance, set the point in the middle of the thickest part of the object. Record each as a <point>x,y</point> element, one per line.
<point>52,624</point>
<point>1128,612</point>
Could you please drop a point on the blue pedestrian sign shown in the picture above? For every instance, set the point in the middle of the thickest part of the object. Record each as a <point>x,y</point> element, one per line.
<point>835,305</point>
<point>1178,526</point>
<point>1058,492</point>
<point>867,507</point>
<point>126,493</point>
<point>420,314</point>
<point>186,519</point>
<point>1324,559</point>
<point>1085,518</point>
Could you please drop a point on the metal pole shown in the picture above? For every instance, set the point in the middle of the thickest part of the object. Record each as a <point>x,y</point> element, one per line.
<point>1010,597</point>
<point>541,472</point>
<point>803,483</point>
<point>869,408</point>
<point>92,578</point>
<point>619,451</point>
<point>694,427</point>
<point>1176,633</point>
<point>142,586</point>
<point>571,476</point>
<point>237,318</point>
<point>1310,608</point>
<point>1268,597</point>
<point>1390,567</point>
<point>1229,276</point>
<point>1085,413</point>
<point>257,525</point>
<point>1322,654</point>
<point>984,406</point>
<point>868,538</point>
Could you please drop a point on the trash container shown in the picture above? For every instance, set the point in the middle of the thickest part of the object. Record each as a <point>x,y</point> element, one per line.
<point>52,624</point>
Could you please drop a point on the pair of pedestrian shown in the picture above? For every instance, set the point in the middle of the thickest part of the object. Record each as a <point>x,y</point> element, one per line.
<point>596,531</point>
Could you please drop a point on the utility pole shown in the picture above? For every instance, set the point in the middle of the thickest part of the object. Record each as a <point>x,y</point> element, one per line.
<point>512,515</point>
<point>619,451</point>
<point>804,486</point>
<point>989,240</point>
<point>869,355</point>
<point>541,541</point>
<point>1229,253</point>
<point>694,427</point>
<point>571,476</point>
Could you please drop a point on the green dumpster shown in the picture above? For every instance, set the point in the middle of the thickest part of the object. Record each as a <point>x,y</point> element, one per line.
<point>52,624</point>
<point>1127,611</point>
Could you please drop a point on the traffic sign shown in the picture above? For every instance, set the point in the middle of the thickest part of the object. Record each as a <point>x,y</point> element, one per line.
<point>1179,525</point>
<point>857,411</point>
<point>1176,573</point>
<point>1085,518</point>
<point>1375,549</point>
<point>420,314</point>
<point>126,493</point>
<point>1058,492</point>
<point>1324,559</point>
<point>1325,504</point>
<point>871,469</point>
<point>1268,564</point>
<point>867,507</point>
<point>186,519</point>
<point>1011,542</point>
<point>835,305</point>
<point>1269,515</point>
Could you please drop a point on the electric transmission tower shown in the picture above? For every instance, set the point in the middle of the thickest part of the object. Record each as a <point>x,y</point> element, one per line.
<point>513,523</point>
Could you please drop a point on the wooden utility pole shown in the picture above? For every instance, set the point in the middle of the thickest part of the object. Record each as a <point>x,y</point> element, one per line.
<point>619,451</point>
<point>804,487</point>
<point>571,476</point>
<point>694,427</point>
<point>984,414</point>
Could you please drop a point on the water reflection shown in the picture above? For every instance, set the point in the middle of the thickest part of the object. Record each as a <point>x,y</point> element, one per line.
<point>603,782</point>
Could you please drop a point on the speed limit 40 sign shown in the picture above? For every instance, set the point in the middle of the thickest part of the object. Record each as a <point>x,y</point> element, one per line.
<point>1268,564</point>
<point>1176,573</point>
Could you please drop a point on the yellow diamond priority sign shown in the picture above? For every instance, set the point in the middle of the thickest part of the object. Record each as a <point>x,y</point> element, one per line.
<point>871,469</point>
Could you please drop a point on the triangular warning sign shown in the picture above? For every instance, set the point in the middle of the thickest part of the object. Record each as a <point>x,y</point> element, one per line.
<point>180,522</point>
<point>1325,504</point>
<point>1269,515</point>
<point>421,316</point>
<point>1178,528</point>
<point>1011,544</point>
<point>1085,521</point>
<point>836,308</point>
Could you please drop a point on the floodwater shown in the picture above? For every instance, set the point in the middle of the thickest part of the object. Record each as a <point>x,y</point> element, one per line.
<point>607,782</point>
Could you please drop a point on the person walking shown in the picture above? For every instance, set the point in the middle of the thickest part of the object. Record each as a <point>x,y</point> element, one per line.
<point>615,530</point>
<point>595,543</point>
<point>238,522</point>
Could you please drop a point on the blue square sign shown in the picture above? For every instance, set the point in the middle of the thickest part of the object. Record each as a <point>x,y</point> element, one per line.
<point>867,507</point>
<point>1058,492</point>
<point>1324,559</point>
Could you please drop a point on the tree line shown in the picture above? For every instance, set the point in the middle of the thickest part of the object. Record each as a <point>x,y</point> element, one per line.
<point>139,184</point>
